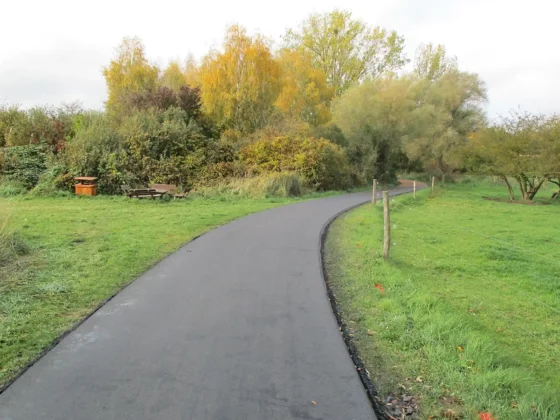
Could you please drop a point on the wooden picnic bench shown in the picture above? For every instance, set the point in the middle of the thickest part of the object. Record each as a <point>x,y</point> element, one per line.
<point>153,192</point>
<point>141,192</point>
<point>167,189</point>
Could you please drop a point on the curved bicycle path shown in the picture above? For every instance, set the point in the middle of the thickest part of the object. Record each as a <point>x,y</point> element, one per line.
<point>236,325</point>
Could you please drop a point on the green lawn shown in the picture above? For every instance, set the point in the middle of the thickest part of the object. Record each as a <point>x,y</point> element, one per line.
<point>469,318</point>
<point>84,250</point>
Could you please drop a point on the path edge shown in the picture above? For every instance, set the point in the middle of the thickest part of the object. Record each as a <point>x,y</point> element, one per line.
<point>353,352</point>
<point>101,304</point>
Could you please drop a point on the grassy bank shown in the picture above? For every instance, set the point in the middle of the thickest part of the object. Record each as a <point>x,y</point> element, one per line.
<point>80,251</point>
<point>465,317</point>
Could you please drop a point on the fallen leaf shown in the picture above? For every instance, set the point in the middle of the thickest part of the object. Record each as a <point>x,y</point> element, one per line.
<point>314,403</point>
<point>460,348</point>
<point>380,288</point>
<point>371,332</point>
<point>419,379</point>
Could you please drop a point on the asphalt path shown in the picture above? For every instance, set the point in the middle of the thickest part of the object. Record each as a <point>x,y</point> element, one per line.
<point>236,325</point>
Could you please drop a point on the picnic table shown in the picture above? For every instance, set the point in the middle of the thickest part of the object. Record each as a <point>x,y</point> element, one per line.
<point>167,189</point>
<point>153,192</point>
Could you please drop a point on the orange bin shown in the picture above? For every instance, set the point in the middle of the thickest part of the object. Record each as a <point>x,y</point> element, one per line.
<point>86,185</point>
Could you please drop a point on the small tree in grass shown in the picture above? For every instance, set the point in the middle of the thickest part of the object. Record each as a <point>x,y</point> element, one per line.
<point>523,147</point>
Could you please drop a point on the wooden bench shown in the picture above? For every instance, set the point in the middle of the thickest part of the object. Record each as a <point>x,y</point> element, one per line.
<point>167,189</point>
<point>141,192</point>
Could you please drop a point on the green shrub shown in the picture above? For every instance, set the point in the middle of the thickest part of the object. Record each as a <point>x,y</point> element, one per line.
<point>322,164</point>
<point>23,164</point>
<point>149,146</point>
<point>11,188</point>
<point>11,245</point>
<point>93,152</point>
<point>287,184</point>
<point>54,181</point>
<point>43,124</point>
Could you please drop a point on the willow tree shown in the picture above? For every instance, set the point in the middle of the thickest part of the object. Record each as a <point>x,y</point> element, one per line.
<point>240,84</point>
<point>375,116</point>
<point>449,109</point>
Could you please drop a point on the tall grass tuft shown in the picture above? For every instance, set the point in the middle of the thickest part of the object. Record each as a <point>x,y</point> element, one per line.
<point>11,245</point>
<point>266,185</point>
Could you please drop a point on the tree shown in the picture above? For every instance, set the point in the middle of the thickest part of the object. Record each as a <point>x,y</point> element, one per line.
<point>129,72</point>
<point>240,85</point>
<point>374,116</point>
<point>524,147</point>
<point>432,62</point>
<point>173,77</point>
<point>449,109</point>
<point>191,71</point>
<point>347,50</point>
<point>305,94</point>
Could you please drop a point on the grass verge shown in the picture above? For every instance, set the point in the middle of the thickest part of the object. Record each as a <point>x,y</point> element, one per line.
<point>82,251</point>
<point>464,320</point>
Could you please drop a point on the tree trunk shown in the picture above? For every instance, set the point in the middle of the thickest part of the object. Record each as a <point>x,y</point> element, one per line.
<point>535,189</point>
<point>510,190</point>
<point>522,187</point>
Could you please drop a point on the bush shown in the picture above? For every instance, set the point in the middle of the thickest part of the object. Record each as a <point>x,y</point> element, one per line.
<point>54,181</point>
<point>23,164</point>
<point>322,164</point>
<point>11,188</point>
<point>94,152</point>
<point>11,245</point>
<point>46,125</point>
<point>267,185</point>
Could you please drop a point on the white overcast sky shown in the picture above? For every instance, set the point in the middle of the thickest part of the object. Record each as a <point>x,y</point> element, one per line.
<point>53,51</point>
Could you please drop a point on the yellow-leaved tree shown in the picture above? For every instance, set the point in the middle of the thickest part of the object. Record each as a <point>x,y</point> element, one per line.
<point>173,77</point>
<point>305,94</point>
<point>191,71</point>
<point>240,85</point>
<point>129,73</point>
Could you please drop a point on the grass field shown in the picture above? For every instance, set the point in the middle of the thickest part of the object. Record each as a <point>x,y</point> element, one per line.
<point>465,317</point>
<point>82,251</point>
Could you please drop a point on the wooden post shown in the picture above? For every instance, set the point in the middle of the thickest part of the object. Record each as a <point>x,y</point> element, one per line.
<point>433,182</point>
<point>387,225</point>
<point>414,188</point>
<point>374,197</point>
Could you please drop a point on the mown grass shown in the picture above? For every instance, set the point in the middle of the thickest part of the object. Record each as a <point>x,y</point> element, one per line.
<point>469,318</point>
<point>82,251</point>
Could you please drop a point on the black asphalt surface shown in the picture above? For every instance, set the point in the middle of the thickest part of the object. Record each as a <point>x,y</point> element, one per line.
<point>234,326</point>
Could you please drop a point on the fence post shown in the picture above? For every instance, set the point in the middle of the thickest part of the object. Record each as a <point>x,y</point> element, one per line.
<point>414,188</point>
<point>387,226</point>
<point>433,182</point>
<point>374,197</point>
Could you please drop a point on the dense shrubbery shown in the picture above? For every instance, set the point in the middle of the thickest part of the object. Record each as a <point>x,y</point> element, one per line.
<point>23,164</point>
<point>45,125</point>
<point>327,106</point>
<point>321,164</point>
<point>273,184</point>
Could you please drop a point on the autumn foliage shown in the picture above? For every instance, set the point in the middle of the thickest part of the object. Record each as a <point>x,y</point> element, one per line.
<point>327,104</point>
